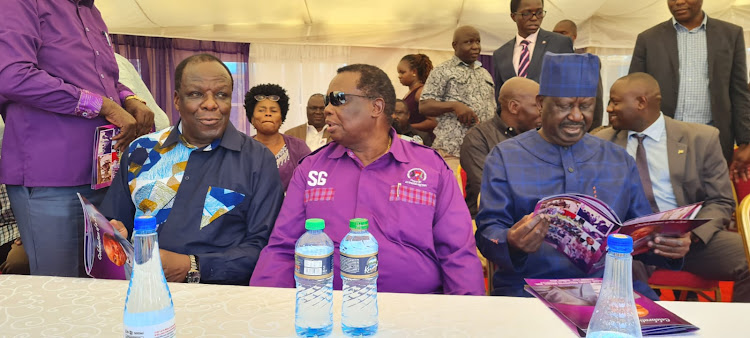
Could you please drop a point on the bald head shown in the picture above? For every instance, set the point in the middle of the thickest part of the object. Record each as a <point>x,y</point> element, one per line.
<point>467,44</point>
<point>634,103</point>
<point>517,101</point>
<point>567,28</point>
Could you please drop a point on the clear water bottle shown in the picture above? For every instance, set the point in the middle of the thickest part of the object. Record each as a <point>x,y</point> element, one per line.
<point>615,314</point>
<point>359,273</point>
<point>313,272</point>
<point>149,311</point>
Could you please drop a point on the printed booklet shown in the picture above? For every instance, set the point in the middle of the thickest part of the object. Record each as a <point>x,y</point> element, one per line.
<point>106,158</point>
<point>106,253</point>
<point>573,301</point>
<point>580,224</point>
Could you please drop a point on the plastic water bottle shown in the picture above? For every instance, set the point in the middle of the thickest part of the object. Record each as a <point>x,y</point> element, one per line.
<point>615,314</point>
<point>149,311</point>
<point>313,272</point>
<point>359,273</point>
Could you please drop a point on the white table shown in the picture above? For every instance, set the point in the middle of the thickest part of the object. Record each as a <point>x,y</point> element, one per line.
<point>53,306</point>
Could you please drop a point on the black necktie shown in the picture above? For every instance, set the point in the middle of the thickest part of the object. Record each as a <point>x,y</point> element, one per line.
<point>642,163</point>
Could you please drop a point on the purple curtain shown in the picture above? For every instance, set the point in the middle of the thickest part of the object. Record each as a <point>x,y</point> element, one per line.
<point>488,64</point>
<point>157,59</point>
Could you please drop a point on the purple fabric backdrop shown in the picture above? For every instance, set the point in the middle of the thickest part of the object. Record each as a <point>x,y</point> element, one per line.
<point>487,63</point>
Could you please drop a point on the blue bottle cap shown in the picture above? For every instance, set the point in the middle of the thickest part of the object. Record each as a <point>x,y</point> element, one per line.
<point>144,223</point>
<point>620,243</point>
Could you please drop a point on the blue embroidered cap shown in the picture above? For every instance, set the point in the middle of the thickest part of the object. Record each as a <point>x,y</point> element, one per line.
<point>569,75</point>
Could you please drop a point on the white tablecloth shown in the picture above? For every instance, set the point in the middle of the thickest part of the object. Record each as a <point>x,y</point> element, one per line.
<point>67,307</point>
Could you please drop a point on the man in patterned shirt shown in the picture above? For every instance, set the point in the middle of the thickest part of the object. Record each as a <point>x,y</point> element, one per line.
<point>460,93</point>
<point>559,158</point>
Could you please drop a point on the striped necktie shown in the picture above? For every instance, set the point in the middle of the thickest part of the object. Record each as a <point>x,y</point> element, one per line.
<point>524,60</point>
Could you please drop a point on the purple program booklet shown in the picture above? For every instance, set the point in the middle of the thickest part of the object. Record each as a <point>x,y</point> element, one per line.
<point>106,253</point>
<point>580,224</point>
<point>573,301</point>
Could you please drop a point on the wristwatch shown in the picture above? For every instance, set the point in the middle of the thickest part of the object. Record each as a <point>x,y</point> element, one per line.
<point>194,275</point>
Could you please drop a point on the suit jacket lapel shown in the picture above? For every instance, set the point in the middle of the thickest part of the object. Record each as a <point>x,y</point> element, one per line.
<point>676,157</point>
<point>535,68</point>
<point>712,36</point>
<point>670,44</point>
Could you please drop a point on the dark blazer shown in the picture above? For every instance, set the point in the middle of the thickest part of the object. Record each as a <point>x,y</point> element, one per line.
<point>697,170</point>
<point>656,53</point>
<point>545,42</point>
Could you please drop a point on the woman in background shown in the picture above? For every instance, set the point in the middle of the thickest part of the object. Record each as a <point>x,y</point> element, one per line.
<point>266,107</point>
<point>412,72</point>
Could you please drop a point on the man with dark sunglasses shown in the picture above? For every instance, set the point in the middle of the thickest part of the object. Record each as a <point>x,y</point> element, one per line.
<point>522,56</point>
<point>404,189</point>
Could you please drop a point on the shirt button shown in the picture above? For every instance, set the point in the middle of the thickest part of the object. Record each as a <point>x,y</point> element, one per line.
<point>85,114</point>
<point>112,98</point>
<point>186,178</point>
<point>570,169</point>
<point>102,75</point>
<point>87,29</point>
<point>96,52</point>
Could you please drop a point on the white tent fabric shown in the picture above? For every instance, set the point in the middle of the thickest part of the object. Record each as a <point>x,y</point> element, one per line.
<point>420,24</point>
<point>299,43</point>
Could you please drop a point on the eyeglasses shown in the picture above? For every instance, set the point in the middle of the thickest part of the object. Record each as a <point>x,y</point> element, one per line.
<point>339,98</point>
<point>274,98</point>
<point>527,14</point>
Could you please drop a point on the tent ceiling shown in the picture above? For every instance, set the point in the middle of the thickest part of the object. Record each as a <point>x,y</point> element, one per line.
<point>423,24</point>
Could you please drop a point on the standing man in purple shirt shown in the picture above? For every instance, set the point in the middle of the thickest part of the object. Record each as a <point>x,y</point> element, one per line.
<point>58,74</point>
<point>405,190</point>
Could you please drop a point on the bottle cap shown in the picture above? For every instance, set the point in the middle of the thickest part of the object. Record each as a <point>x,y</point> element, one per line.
<point>144,223</point>
<point>315,224</point>
<point>620,243</point>
<point>358,224</point>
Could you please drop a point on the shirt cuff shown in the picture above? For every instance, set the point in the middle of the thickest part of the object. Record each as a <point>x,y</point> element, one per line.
<point>124,94</point>
<point>89,105</point>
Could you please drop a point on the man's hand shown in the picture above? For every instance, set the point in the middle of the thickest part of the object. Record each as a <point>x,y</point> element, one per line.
<point>121,118</point>
<point>739,169</point>
<point>176,266</point>
<point>528,234</point>
<point>465,115</point>
<point>671,247</point>
<point>144,117</point>
<point>119,227</point>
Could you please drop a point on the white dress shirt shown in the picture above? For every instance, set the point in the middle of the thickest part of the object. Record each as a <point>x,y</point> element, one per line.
<point>655,144</point>
<point>314,138</point>
<point>517,49</point>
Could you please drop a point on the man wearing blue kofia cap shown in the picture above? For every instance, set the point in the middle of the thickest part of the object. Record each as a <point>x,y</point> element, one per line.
<point>559,158</point>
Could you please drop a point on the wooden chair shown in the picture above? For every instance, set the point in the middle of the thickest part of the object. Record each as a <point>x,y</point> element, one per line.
<point>743,225</point>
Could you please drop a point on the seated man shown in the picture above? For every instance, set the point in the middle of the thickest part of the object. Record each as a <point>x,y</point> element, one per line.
<point>694,171</point>
<point>559,158</point>
<point>403,128</point>
<point>518,114</point>
<point>214,191</point>
<point>404,189</point>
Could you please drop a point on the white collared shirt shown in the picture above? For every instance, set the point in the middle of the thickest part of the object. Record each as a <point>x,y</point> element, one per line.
<point>517,49</point>
<point>314,138</point>
<point>655,144</point>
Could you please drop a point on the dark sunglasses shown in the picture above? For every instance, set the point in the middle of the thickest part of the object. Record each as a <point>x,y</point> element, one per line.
<point>259,98</point>
<point>339,98</point>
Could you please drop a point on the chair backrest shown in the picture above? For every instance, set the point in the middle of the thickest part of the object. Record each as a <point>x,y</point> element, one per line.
<point>743,225</point>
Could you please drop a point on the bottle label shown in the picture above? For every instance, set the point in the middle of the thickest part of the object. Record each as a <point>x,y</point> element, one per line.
<point>359,266</point>
<point>163,330</point>
<point>313,267</point>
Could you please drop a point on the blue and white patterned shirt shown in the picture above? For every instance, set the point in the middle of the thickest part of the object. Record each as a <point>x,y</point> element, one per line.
<point>694,97</point>
<point>218,202</point>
